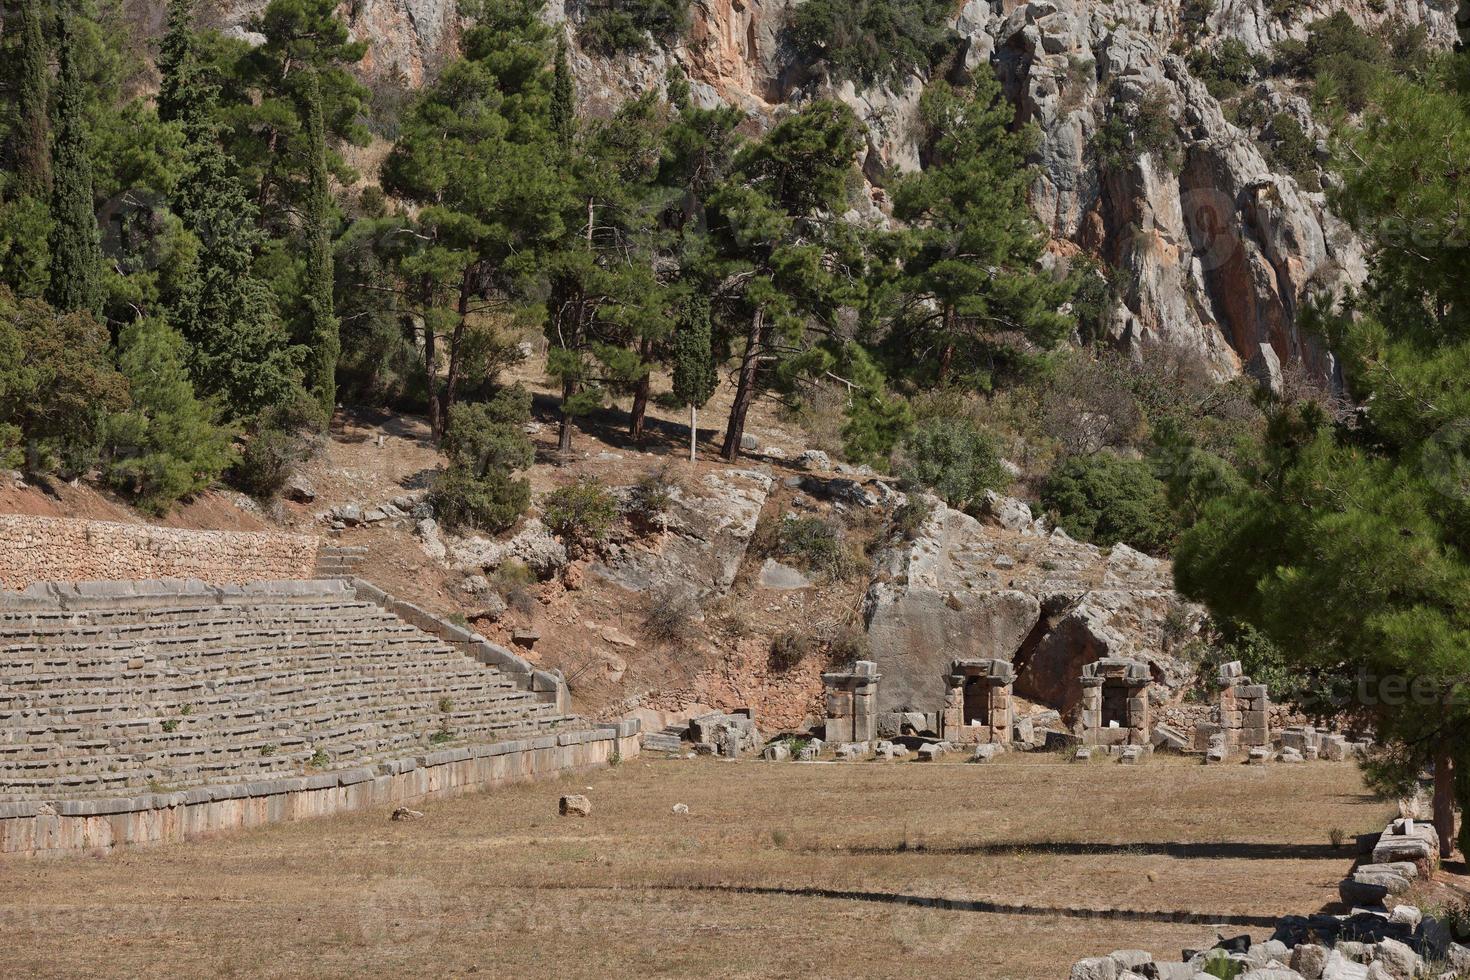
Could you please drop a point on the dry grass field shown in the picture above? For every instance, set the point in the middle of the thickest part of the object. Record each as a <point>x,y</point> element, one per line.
<point>498,885</point>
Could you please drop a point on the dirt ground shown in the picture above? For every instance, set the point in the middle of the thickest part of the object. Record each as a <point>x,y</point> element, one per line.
<point>498,885</point>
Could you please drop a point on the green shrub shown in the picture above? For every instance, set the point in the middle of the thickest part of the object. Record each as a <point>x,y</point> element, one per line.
<point>1292,150</point>
<point>1225,69</point>
<point>816,545</point>
<point>788,649</point>
<point>276,445</point>
<point>954,458</point>
<point>871,41</point>
<point>1133,129</point>
<point>1105,499</point>
<point>580,513</point>
<point>616,26</point>
<point>486,444</point>
<point>649,499</point>
<point>910,516</point>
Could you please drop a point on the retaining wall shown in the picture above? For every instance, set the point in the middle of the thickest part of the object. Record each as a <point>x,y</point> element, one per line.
<point>55,549</point>
<point>31,829</point>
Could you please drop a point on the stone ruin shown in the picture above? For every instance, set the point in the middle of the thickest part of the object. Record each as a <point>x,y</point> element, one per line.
<point>978,707</point>
<point>1242,714</point>
<point>1115,703</point>
<point>852,703</point>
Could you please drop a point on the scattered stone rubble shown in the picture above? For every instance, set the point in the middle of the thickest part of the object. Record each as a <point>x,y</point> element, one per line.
<point>1372,942</point>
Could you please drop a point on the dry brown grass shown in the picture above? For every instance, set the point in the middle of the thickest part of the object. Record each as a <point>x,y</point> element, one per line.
<point>498,885</point>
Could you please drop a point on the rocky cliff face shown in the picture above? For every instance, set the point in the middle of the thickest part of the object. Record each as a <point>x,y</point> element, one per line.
<point>1213,250</point>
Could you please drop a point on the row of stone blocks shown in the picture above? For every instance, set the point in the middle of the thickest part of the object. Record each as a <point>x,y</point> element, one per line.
<point>354,686</point>
<point>93,826</point>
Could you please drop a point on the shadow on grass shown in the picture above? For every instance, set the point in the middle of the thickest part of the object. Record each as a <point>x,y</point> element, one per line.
<point>947,904</point>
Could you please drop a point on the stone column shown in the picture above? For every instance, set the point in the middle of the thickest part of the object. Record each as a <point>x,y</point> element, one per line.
<point>852,703</point>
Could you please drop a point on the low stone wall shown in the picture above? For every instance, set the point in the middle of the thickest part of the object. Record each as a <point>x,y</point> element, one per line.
<point>55,549</point>
<point>31,829</point>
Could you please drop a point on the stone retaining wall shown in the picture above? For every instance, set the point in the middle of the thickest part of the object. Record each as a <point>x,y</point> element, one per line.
<point>31,829</point>
<point>55,549</point>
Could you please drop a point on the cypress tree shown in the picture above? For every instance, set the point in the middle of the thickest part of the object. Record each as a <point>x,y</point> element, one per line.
<point>32,149</point>
<point>563,97</point>
<point>324,342</point>
<point>181,87</point>
<point>694,364</point>
<point>236,344</point>
<point>76,243</point>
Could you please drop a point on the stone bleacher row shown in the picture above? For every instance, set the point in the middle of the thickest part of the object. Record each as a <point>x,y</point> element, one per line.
<point>123,688</point>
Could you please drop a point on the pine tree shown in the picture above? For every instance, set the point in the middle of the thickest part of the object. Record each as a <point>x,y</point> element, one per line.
<point>167,445</point>
<point>793,268</point>
<point>1347,542</point>
<point>480,160</point>
<point>694,364</point>
<point>969,280</point>
<point>76,242</point>
<point>32,140</point>
<point>324,343</point>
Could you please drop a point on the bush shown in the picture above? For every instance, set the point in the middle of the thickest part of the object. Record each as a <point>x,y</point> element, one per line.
<point>910,516</point>
<point>788,649</point>
<point>816,545</point>
<point>486,444</point>
<point>1226,69</point>
<point>670,615</point>
<point>278,442</point>
<point>954,458</point>
<point>617,26</point>
<point>580,513</point>
<point>1135,129</point>
<point>1292,150</point>
<point>870,41</point>
<point>1106,499</point>
<point>649,499</point>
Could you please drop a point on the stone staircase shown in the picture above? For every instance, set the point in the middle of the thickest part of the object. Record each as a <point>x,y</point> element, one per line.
<point>121,688</point>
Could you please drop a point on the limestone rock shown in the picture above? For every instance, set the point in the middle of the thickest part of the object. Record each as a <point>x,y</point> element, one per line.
<point>575,805</point>
<point>708,529</point>
<point>782,578</point>
<point>404,813</point>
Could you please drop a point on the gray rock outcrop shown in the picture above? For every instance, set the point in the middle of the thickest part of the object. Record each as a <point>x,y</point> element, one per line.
<point>962,589</point>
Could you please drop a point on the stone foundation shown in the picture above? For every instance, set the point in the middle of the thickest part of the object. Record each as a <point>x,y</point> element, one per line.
<point>30,829</point>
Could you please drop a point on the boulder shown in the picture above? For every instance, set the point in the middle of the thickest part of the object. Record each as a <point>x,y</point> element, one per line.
<point>1308,959</point>
<point>814,459</point>
<point>782,578</point>
<point>1007,512</point>
<point>1401,962</point>
<point>1095,968</point>
<point>575,805</point>
<point>985,752</point>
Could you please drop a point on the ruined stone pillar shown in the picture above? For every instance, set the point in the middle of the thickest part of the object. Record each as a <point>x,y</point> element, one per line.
<point>851,703</point>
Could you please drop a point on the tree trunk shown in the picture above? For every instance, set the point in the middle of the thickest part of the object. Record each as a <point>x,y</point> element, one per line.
<point>693,432</point>
<point>451,381</point>
<point>1444,799</point>
<point>946,357</point>
<point>640,395</point>
<point>564,435</point>
<point>431,372</point>
<point>745,387</point>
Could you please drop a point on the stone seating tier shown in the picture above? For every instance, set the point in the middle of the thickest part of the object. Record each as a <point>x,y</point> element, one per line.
<point>128,687</point>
